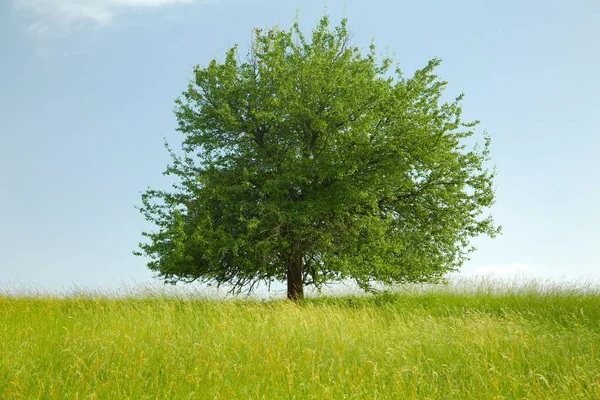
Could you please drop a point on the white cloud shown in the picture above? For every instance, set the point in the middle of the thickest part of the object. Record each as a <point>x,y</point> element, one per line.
<point>505,270</point>
<point>50,16</point>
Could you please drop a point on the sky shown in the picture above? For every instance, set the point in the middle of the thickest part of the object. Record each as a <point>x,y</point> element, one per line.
<point>87,90</point>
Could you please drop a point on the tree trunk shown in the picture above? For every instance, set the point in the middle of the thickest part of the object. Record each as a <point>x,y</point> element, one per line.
<point>295,290</point>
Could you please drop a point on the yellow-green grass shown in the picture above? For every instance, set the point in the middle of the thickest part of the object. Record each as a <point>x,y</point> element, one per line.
<point>437,344</point>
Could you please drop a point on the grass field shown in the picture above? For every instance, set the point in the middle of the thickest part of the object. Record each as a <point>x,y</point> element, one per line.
<point>531,343</point>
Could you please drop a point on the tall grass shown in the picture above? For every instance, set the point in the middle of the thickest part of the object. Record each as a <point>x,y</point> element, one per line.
<point>462,342</point>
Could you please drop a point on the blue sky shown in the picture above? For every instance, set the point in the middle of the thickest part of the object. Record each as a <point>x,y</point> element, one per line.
<point>87,90</point>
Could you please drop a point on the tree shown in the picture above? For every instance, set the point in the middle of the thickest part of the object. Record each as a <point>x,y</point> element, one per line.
<point>310,161</point>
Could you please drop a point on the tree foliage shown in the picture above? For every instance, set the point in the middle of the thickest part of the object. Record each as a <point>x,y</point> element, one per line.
<point>312,160</point>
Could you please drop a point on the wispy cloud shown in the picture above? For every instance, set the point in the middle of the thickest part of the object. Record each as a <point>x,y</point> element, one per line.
<point>51,16</point>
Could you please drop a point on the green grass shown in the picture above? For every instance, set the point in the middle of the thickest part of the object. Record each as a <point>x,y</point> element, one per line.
<point>428,344</point>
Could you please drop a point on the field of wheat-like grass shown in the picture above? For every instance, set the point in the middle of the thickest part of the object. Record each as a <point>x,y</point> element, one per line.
<point>413,344</point>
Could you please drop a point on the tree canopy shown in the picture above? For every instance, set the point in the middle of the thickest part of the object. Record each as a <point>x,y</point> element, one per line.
<point>311,160</point>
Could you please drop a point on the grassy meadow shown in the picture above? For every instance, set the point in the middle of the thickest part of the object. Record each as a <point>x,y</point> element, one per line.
<point>446,343</point>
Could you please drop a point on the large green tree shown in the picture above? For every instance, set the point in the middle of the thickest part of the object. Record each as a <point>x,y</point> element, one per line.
<point>312,161</point>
